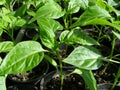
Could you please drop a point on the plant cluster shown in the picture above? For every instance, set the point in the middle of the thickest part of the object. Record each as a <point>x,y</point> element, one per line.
<point>59,24</point>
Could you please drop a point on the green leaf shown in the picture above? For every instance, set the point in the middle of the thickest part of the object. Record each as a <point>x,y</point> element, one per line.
<point>49,10</point>
<point>31,13</point>
<point>51,60</point>
<point>83,3</point>
<point>101,3</point>
<point>1,31</point>
<point>77,36</point>
<point>20,22</point>
<point>4,11</point>
<point>9,2</point>
<point>112,9</point>
<point>0,60</point>
<point>85,57</point>
<point>3,25</point>
<point>9,18</point>
<point>76,71</point>
<point>116,34</point>
<point>99,21</point>
<point>92,2</point>
<point>91,13</point>
<point>6,46</point>
<point>23,57</point>
<point>49,24</point>
<point>48,27</point>
<point>63,36</point>
<point>2,2</point>
<point>21,10</point>
<point>3,82</point>
<point>112,2</point>
<point>73,6</point>
<point>117,12</point>
<point>89,79</point>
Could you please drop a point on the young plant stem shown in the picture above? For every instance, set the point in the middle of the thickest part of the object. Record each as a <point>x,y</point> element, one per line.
<point>61,70</point>
<point>23,76</point>
<point>116,79</point>
<point>70,20</point>
<point>111,54</point>
<point>61,75</point>
<point>65,22</point>
<point>13,3</point>
<point>100,32</point>
<point>10,33</point>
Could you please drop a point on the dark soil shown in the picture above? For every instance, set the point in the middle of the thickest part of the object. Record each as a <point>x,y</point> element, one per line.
<point>76,82</point>
<point>108,75</point>
<point>72,82</point>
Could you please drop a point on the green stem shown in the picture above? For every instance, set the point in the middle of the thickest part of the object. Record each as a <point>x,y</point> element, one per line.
<point>61,70</point>
<point>113,46</point>
<point>70,20</point>
<point>111,54</point>
<point>116,79</point>
<point>61,75</point>
<point>23,76</point>
<point>100,32</point>
<point>65,22</point>
<point>12,35</point>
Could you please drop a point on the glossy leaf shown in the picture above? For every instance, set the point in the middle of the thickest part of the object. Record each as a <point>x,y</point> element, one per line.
<point>83,3</point>
<point>49,24</point>
<point>2,2</point>
<point>76,71</point>
<point>31,13</point>
<point>63,36</point>
<point>23,57</point>
<point>51,60</point>
<point>101,3</point>
<point>4,11</point>
<point>20,22</point>
<point>77,36</point>
<point>91,13</point>
<point>6,46</point>
<point>98,21</point>
<point>49,10</point>
<point>9,18</point>
<point>112,9</point>
<point>48,27</point>
<point>85,57</point>
<point>112,2</point>
<point>1,31</point>
<point>89,79</point>
<point>3,25</point>
<point>75,5</point>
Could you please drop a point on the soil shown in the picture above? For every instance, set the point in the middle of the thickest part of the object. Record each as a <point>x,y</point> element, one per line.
<point>72,82</point>
<point>76,82</point>
<point>108,75</point>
